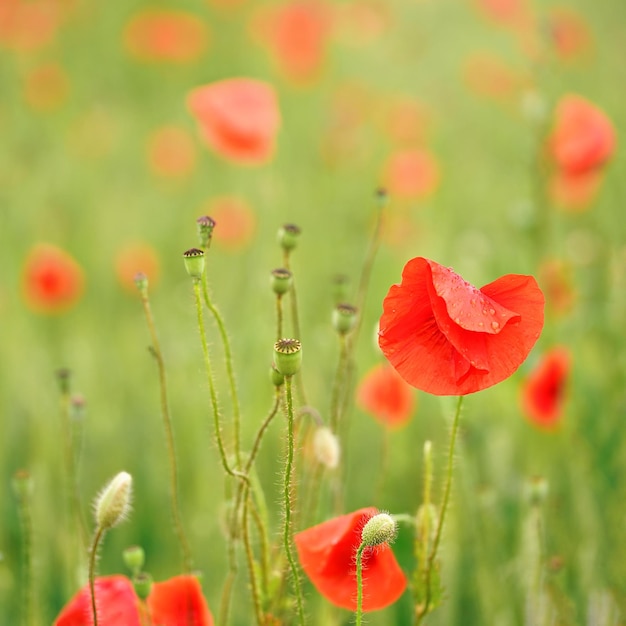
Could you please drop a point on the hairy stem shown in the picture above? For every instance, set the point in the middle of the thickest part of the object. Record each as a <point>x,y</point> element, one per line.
<point>92,572</point>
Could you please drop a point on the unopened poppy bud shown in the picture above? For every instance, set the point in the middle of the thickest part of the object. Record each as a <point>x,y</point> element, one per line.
<point>379,529</point>
<point>194,262</point>
<point>344,318</point>
<point>281,280</point>
<point>276,377</point>
<point>141,282</point>
<point>22,484</point>
<point>113,503</point>
<point>288,235</point>
<point>326,447</point>
<point>205,226</point>
<point>536,490</point>
<point>134,558</point>
<point>143,585</point>
<point>287,356</point>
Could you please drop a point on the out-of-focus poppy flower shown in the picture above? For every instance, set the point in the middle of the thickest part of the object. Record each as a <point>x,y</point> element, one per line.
<point>174,602</point>
<point>361,22</point>
<point>490,77</point>
<point>510,13</point>
<point>574,193</point>
<point>327,555</point>
<point>134,258</point>
<point>543,392</point>
<point>52,281</point>
<point>408,121</point>
<point>583,137</point>
<point>296,34</point>
<point>447,337</point>
<point>28,26</point>
<point>46,86</point>
<point>165,35</point>
<point>569,33</point>
<point>171,152</point>
<point>556,283</point>
<point>385,395</point>
<point>235,222</point>
<point>411,174</point>
<point>116,601</point>
<point>238,118</point>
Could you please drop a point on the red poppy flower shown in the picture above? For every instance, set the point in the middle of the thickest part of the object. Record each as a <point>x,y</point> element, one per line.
<point>583,138</point>
<point>174,602</point>
<point>447,337</point>
<point>52,281</point>
<point>46,86</point>
<point>28,26</point>
<point>238,118</point>
<point>574,193</point>
<point>163,35</point>
<point>569,32</point>
<point>543,393</point>
<point>385,395</point>
<point>556,283</point>
<point>412,174</point>
<point>171,152</point>
<point>327,555</point>
<point>296,34</point>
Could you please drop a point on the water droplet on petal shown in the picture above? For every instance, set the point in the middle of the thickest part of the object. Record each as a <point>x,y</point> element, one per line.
<point>457,320</point>
<point>492,311</point>
<point>495,325</point>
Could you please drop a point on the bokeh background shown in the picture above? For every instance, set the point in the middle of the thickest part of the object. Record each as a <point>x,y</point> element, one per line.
<point>448,104</point>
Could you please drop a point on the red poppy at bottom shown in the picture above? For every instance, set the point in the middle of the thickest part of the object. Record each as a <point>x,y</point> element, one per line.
<point>447,337</point>
<point>174,602</point>
<point>543,392</point>
<point>327,555</point>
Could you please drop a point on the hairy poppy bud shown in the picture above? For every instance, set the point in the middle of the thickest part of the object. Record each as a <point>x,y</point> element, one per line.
<point>113,503</point>
<point>326,447</point>
<point>379,529</point>
<point>276,377</point>
<point>288,356</point>
<point>205,226</point>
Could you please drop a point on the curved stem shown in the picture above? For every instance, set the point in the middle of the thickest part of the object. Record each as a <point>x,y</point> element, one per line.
<point>288,504</point>
<point>169,436</point>
<point>92,572</point>
<point>359,584</point>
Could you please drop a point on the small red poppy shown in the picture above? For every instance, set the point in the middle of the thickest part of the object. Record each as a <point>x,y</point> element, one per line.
<point>569,32</point>
<point>447,337</point>
<point>28,26</point>
<point>238,118</point>
<point>412,173</point>
<point>46,86</point>
<point>543,393</point>
<point>174,602</point>
<point>164,35</point>
<point>583,137</point>
<point>52,281</point>
<point>327,555</point>
<point>385,395</point>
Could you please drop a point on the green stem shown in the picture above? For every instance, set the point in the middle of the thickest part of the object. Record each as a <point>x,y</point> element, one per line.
<point>295,323</point>
<point>423,610</point>
<point>287,538</point>
<point>169,436</point>
<point>254,585</point>
<point>279,316</point>
<point>359,584</point>
<point>27,559</point>
<point>338,385</point>
<point>229,369</point>
<point>92,572</point>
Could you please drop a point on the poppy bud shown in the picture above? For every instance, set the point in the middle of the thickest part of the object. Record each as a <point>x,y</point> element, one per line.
<point>113,503</point>
<point>205,226</point>
<point>379,529</point>
<point>288,356</point>
<point>134,558</point>
<point>344,318</point>
<point>143,585</point>
<point>141,282</point>
<point>281,280</point>
<point>276,377</point>
<point>194,262</point>
<point>382,196</point>
<point>326,447</point>
<point>288,235</point>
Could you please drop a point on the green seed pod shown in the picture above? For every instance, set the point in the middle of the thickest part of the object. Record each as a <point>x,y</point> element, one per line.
<point>344,318</point>
<point>340,285</point>
<point>281,280</point>
<point>143,585</point>
<point>288,236</point>
<point>287,356</point>
<point>205,225</point>
<point>381,528</point>
<point>134,558</point>
<point>194,262</point>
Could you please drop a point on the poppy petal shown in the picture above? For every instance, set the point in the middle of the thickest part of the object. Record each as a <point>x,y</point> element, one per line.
<point>179,602</point>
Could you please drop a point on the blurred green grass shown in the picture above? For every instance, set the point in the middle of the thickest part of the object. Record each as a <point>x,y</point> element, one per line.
<point>52,190</point>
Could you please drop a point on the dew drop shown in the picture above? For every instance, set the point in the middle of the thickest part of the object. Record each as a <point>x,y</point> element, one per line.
<point>484,311</point>
<point>480,324</point>
<point>492,311</point>
<point>495,325</point>
<point>457,320</point>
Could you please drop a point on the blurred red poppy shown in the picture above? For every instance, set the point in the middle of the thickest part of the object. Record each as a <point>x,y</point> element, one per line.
<point>555,280</point>
<point>574,193</point>
<point>174,602</point>
<point>510,13</point>
<point>28,26</point>
<point>296,34</point>
<point>385,395</point>
<point>46,86</point>
<point>52,281</point>
<point>447,337</point>
<point>327,555</point>
<point>165,35</point>
<point>411,174</point>
<point>490,76</point>
<point>238,118</point>
<point>583,137</point>
<point>543,393</point>
<point>235,222</point>
<point>133,258</point>
<point>569,33</point>
<point>171,152</point>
